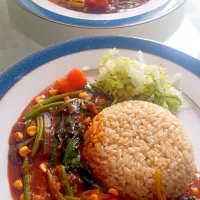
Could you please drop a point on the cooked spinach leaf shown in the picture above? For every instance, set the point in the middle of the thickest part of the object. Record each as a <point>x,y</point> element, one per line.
<point>72,156</point>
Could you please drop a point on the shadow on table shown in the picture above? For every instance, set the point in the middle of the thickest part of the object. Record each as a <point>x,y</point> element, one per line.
<point>46,33</point>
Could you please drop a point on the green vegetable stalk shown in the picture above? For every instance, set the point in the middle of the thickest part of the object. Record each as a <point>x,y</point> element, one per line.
<point>25,143</point>
<point>52,187</point>
<point>49,101</point>
<point>37,111</point>
<point>28,122</point>
<point>63,176</point>
<point>26,179</point>
<point>39,136</point>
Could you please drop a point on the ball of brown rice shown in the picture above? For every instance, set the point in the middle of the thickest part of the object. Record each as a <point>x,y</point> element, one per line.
<point>127,142</point>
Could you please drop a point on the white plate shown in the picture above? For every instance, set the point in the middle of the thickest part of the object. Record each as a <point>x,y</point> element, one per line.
<point>151,10</point>
<point>24,80</point>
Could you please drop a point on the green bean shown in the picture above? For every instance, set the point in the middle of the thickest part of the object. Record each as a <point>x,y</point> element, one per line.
<point>51,100</point>
<point>63,176</point>
<point>76,4</point>
<point>40,109</point>
<point>52,187</point>
<point>71,198</point>
<point>28,123</point>
<point>25,143</point>
<point>26,180</point>
<point>39,122</point>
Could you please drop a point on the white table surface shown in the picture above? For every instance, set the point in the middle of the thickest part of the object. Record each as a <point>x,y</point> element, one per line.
<point>22,33</point>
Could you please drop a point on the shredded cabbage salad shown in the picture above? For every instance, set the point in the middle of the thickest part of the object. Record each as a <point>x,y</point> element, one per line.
<point>125,79</point>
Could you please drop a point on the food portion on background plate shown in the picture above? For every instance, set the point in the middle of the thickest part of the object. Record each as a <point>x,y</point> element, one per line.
<point>110,139</point>
<point>100,6</point>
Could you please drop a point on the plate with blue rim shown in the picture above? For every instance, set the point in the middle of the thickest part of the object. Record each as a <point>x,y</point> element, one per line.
<point>151,10</point>
<point>31,75</point>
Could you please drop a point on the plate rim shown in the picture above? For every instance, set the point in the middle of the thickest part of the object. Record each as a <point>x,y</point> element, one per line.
<point>17,71</point>
<point>38,11</point>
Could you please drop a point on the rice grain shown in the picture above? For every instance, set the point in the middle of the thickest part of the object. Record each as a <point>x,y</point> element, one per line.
<point>127,142</point>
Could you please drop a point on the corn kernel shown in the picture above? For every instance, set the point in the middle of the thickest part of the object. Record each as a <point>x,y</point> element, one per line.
<point>19,136</point>
<point>101,101</point>
<point>83,106</point>
<point>113,192</point>
<point>80,118</point>
<point>43,167</point>
<point>21,197</point>
<point>18,184</point>
<point>53,92</point>
<point>38,99</point>
<point>59,147</point>
<point>195,191</point>
<point>87,120</point>
<point>24,151</point>
<point>31,130</point>
<point>93,197</point>
<point>82,95</point>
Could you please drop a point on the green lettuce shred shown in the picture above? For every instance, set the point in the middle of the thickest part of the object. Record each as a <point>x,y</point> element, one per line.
<point>124,79</point>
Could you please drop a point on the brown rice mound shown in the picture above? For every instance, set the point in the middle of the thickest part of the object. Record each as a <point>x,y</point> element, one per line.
<point>127,142</point>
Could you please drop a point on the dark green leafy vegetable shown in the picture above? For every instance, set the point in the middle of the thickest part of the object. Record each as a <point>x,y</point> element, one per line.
<point>52,158</point>
<point>89,182</point>
<point>64,178</point>
<point>26,180</point>
<point>187,198</point>
<point>14,156</point>
<point>192,198</point>
<point>72,156</point>
<point>39,136</point>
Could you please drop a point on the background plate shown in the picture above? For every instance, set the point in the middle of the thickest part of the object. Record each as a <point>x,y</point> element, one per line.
<point>152,10</point>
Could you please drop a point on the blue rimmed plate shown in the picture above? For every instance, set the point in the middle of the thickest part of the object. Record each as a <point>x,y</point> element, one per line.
<point>153,9</point>
<point>27,78</point>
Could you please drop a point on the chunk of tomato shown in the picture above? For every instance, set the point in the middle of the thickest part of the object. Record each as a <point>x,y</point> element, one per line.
<point>76,79</point>
<point>99,4</point>
<point>63,85</point>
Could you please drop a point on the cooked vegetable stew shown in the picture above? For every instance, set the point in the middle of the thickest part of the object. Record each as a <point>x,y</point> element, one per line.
<point>99,6</point>
<point>45,161</point>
